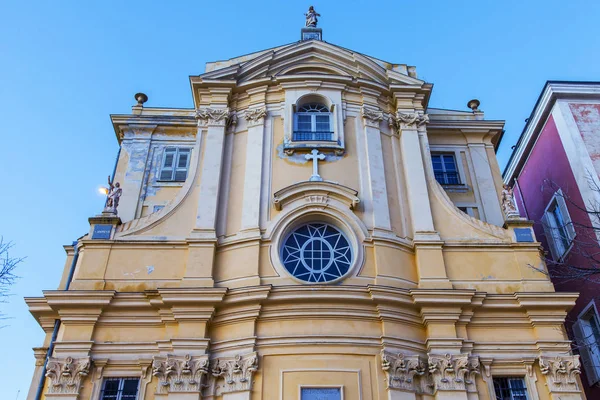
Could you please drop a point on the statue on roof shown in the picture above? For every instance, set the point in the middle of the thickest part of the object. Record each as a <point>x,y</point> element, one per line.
<point>112,197</point>
<point>311,17</point>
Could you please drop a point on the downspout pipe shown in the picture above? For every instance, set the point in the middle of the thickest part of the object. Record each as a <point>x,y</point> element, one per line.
<point>38,394</point>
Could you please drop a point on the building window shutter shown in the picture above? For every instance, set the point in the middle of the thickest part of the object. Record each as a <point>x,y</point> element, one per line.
<point>549,230</point>
<point>585,351</point>
<point>166,172</point>
<point>568,224</point>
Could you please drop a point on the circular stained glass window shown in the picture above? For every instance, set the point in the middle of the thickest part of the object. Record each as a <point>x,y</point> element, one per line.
<point>316,252</point>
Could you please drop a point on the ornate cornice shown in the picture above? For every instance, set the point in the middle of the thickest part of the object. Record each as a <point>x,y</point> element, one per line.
<point>179,374</point>
<point>255,116</point>
<point>404,372</point>
<point>236,372</point>
<point>66,374</point>
<point>372,116</point>
<point>561,373</point>
<point>452,372</point>
<point>411,120</point>
<point>213,116</point>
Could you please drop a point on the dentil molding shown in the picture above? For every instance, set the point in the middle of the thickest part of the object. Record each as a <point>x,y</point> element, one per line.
<point>66,374</point>
<point>561,373</point>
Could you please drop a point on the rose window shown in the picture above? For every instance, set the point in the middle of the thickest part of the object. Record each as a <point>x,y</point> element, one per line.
<point>316,252</point>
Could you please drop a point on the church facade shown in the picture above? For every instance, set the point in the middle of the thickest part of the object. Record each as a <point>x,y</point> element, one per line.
<point>312,229</point>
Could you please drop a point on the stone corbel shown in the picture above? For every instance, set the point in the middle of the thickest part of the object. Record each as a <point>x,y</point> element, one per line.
<point>413,120</point>
<point>255,116</point>
<point>179,374</point>
<point>453,372</point>
<point>66,375</point>
<point>213,116</point>
<point>233,374</point>
<point>372,116</point>
<point>561,373</point>
<point>404,372</point>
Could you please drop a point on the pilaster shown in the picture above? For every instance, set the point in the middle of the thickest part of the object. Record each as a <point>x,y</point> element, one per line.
<point>561,374</point>
<point>66,376</point>
<point>372,117</point>
<point>485,182</point>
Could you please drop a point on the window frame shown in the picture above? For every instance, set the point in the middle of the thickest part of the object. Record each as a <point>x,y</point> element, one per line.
<point>121,380</point>
<point>591,366</point>
<point>178,151</point>
<point>559,249</point>
<point>444,172</point>
<point>340,387</point>
<point>313,123</point>
<point>509,377</point>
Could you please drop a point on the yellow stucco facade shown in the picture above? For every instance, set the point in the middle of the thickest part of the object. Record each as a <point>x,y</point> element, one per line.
<point>191,293</point>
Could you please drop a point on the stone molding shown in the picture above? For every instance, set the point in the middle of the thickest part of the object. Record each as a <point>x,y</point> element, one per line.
<point>404,372</point>
<point>316,193</point>
<point>232,374</point>
<point>411,120</point>
<point>179,374</point>
<point>561,373</point>
<point>66,374</point>
<point>452,372</point>
<point>213,116</point>
<point>372,116</point>
<point>255,116</point>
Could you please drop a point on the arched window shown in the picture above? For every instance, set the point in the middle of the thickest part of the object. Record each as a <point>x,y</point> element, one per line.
<point>312,122</point>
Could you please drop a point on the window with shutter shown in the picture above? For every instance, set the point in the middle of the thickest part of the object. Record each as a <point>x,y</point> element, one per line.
<point>587,337</point>
<point>558,226</point>
<point>175,164</point>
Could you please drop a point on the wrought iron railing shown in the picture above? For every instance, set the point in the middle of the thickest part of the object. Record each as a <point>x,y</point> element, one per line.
<point>312,136</point>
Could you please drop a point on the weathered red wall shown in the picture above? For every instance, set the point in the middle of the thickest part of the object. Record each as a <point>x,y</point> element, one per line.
<point>546,170</point>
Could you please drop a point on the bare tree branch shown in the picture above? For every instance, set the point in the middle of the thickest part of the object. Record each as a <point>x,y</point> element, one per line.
<point>8,266</point>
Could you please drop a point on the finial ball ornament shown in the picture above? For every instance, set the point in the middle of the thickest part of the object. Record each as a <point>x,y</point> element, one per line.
<point>473,104</point>
<point>141,98</point>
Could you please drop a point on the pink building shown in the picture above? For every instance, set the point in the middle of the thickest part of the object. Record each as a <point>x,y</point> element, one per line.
<point>554,171</point>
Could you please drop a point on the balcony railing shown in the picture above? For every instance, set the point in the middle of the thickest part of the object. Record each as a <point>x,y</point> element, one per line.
<point>312,136</point>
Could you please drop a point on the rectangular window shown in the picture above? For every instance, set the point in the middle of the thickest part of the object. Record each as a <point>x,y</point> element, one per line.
<point>120,389</point>
<point>175,164</point>
<point>312,126</point>
<point>510,388</point>
<point>558,226</point>
<point>320,393</point>
<point>445,169</point>
<point>587,337</point>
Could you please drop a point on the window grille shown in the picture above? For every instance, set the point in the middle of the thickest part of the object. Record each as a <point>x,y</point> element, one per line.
<point>120,389</point>
<point>312,122</point>
<point>175,164</point>
<point>510,389</point>
<point>445,169</point>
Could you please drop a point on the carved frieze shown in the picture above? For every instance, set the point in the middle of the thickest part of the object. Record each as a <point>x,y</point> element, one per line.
<point>231,374</point>
<point>256,116</point>
<point>372,116</point>
<point>213,116</point>
<point>404,372</point>
<point>452,372</point>
<point>66,374</point>
<point>561,372</point>
<point>411,120</point>
<point>180,374</point>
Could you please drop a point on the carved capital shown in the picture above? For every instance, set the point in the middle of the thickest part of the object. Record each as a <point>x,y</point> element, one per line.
<point>232,374</point>
<point>256,116</point>
<point>561,373</point>
<point>372,116</point>
<point>411,120</point>
<point>404,372</point>
<point>66,374</point>
<point>179,374</point>
<point>213,116</point>
<point>452,372</point>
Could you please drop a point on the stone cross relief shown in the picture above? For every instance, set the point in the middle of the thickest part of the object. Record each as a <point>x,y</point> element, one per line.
<point>315,157</point>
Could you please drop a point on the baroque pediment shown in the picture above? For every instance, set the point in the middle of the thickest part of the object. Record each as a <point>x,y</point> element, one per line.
<point>318,194</point>
<point>309,59</point>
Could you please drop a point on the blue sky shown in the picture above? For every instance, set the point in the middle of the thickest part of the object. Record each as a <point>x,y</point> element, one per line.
<point>65,66</point>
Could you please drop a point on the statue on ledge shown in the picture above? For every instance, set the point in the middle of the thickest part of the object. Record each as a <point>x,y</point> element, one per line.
<point>311,18</point>
<point>112,197</point>
<point>508,202</point>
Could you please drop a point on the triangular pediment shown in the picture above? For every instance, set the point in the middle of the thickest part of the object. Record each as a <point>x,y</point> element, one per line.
<point>310,58</point>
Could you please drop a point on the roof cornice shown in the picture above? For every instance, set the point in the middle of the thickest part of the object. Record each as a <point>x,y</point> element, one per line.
<point>553,91</point>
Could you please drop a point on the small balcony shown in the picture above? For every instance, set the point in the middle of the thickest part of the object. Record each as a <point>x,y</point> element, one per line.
<point>312,136</point>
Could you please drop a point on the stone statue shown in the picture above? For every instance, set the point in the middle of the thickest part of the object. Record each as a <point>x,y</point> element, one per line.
<point>112,197</point>
<point>508,202</point>
<point>311,17</point>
